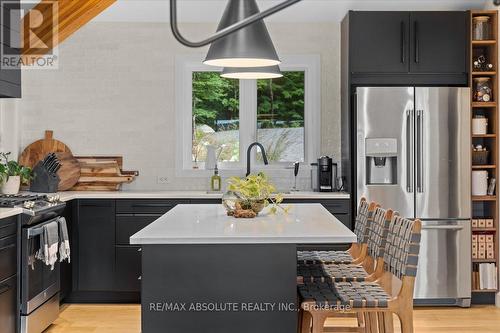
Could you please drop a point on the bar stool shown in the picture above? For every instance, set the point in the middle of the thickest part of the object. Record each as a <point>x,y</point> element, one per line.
<point>377,301</point>
<point>356,253</point>
<point>368,270</point>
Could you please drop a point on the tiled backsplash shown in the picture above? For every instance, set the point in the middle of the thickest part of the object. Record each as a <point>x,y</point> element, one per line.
<point>113,94</point>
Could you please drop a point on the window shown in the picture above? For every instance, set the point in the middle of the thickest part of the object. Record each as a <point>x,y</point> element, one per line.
<point>225,115</point>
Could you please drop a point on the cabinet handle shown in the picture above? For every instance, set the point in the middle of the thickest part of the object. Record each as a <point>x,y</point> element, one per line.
<point>139,249</point>
<point>139,278</point>
<point>151,205</point>
<point>403,42</point>
<point>417,43</point>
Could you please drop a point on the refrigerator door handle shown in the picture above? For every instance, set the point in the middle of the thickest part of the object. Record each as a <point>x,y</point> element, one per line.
<point>409,151</point>
<point>420,151</point>
<point>443,227</point>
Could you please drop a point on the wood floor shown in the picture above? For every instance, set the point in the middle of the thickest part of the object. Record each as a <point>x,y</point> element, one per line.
<point>126,319</point>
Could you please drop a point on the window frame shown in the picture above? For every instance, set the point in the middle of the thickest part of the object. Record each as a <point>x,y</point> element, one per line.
<point>187,64</point>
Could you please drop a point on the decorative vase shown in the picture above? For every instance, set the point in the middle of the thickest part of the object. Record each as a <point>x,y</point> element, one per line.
<point>232,202</point>
<point>12,185</point>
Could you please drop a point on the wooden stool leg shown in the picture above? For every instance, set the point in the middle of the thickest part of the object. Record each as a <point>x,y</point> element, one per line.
<point>368,323</point>
<point>388,322</point>
<point>372,316</point>
<point>318,322</point>
<point>381,323</point>
<point>361,319</point>
<point>305,322</point>
<point>406,319</point>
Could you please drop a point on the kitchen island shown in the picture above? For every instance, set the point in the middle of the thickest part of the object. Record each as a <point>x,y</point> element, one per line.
<point>203,271</point>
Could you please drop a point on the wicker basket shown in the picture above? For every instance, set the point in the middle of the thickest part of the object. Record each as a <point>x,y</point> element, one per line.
<point>480,157</point>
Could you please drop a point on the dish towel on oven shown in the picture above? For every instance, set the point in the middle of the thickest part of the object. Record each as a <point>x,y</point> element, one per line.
<point>64,250</point>
<point>49,242</point>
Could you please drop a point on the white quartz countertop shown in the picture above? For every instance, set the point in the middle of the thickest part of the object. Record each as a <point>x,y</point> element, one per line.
<point>8,212</point>
<point>209,224</point>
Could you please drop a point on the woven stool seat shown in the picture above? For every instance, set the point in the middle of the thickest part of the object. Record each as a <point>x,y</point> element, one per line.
<point>324,257</point>
<point>331,273</point>
<point>352,294</point>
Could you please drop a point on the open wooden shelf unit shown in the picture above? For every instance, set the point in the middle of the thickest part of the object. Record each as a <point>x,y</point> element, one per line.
<point>486,207</point>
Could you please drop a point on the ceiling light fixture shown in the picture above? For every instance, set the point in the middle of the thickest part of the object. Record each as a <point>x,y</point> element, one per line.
<point>241,40</point>
<point>252,73</point>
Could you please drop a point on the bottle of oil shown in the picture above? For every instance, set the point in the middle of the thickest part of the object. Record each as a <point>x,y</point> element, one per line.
<point>215,181</point>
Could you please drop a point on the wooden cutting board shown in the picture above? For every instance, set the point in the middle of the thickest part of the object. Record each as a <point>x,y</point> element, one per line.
<point>70,171</point>
<point>37,151</point>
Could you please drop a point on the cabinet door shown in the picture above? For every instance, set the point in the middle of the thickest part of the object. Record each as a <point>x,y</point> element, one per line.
<point>96,245</point>
<point>128,268</point>
<point>379,42</point>
<point>438,42</point>
<point>8,305</point>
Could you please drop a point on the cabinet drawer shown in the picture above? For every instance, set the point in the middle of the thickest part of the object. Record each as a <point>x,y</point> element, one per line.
<point>147,206</point>
<point>8,226</point>
<point>126,226</point>
<point>8,257</point>
<point>8,305</point>
<point>128,268</point>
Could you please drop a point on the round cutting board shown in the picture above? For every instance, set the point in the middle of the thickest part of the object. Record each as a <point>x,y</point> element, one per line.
<point>70,171</point>
<point>37,151</point>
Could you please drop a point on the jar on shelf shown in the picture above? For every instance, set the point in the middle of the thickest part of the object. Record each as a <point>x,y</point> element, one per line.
<point>482,89</point>
<point>479,125</point>
<point>481,28</point>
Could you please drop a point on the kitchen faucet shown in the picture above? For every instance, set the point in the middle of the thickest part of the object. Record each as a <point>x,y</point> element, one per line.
<point>264,156</point>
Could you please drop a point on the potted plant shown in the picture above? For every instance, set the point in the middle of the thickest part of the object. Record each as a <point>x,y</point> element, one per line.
<point>248,196</point>
<point>12,175</point>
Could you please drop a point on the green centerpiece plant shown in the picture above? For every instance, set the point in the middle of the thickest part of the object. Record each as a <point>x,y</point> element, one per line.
<point>248,196</point>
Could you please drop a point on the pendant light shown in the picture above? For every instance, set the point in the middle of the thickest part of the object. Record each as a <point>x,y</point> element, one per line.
<point>239,14</point>
<point>248,47</point>
<point>252,73</point>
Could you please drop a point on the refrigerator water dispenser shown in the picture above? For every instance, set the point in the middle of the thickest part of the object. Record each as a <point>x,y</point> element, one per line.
<point>381,161</point>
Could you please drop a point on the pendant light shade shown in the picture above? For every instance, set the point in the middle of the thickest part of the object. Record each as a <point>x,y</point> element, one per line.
<point>252,73</point>
<point>250,46</point>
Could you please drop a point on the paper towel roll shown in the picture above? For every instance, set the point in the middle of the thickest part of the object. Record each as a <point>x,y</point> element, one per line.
<point>479,182</point>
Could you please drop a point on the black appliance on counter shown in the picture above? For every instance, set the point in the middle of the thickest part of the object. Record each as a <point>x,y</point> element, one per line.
<point>326,175</point>
<point>39,302</point>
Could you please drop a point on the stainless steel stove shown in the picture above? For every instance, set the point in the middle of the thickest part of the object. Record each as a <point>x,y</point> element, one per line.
<point>33,204</point>
<point>40,285</point>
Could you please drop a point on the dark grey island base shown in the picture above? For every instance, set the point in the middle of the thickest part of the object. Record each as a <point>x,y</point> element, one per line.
<point>186,288</point>
<point>204,271</point>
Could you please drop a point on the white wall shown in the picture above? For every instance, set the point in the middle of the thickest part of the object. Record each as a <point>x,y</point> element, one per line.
<point>114,93</point>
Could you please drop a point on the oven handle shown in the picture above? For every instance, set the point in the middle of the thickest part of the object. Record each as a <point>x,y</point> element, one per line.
<point>38,229</point>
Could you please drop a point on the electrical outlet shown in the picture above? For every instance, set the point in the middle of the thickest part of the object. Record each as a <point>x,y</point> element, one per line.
<point>162,180</point>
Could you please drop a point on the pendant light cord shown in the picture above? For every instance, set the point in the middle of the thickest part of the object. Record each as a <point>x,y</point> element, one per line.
<point>226,31</point>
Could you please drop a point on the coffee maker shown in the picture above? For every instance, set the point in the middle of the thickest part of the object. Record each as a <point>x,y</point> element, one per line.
<point>327,175</point>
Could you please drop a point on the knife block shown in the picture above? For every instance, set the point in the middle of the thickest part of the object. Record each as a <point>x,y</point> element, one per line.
<point>43,181</point>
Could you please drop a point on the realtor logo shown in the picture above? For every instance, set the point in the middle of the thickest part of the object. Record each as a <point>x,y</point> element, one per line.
<point>29,34</point>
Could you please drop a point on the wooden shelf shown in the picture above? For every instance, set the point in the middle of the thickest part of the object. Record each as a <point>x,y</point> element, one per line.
<point>484,167</point>
<point>484,42</point>
<point>484,229</point>
<point>484,73</point>
<point>485,136</point>
<point>484,290</point>
<point>484,198</point>
<point>484,260</point>
<point>484,104</point>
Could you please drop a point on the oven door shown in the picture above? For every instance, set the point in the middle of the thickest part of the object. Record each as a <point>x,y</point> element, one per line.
<point>38,281</point>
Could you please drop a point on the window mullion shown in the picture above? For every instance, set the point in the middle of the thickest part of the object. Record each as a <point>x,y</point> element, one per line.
<point>248,116</point>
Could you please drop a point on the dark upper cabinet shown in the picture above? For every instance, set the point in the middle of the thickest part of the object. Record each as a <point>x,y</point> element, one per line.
<point>379,42</point>
<point>438,42</point>
<point>10,69</point>
<point>406,48</point>
<point>96,245</point>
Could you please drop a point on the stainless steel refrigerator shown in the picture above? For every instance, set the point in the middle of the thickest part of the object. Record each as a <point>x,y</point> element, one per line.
<point>413,155</point>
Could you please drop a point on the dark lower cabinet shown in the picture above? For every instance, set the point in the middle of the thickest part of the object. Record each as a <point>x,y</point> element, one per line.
<point>128,268</point>
<point>107,267</point>
<point>8,305</point>
<point>9,313</point>
<point>96,245</point>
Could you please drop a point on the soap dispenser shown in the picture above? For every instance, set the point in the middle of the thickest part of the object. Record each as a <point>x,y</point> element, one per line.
<point>215,181</point>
